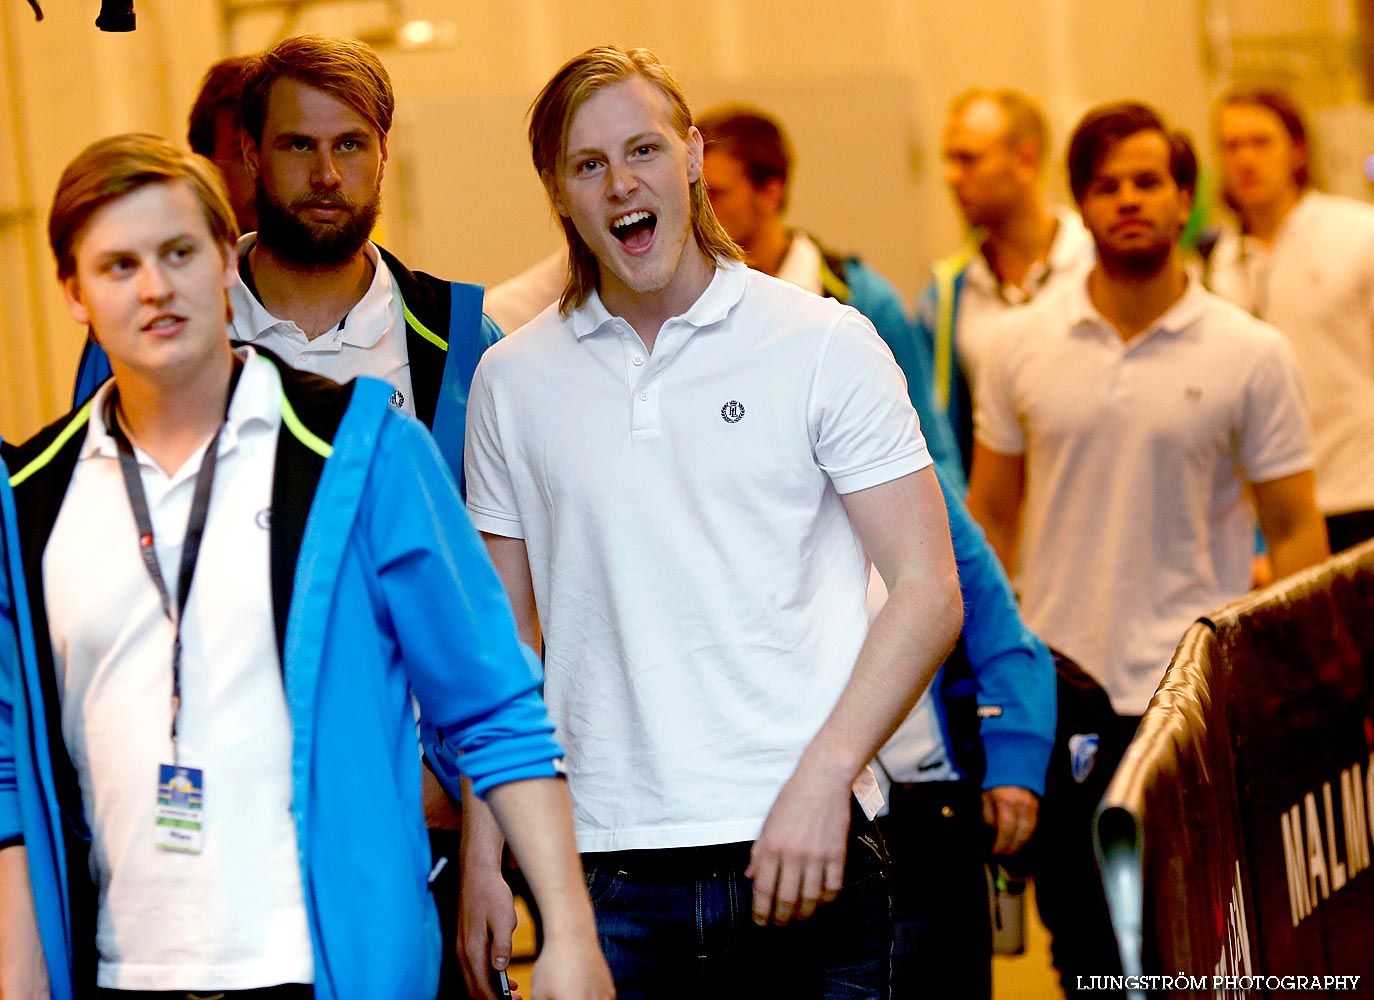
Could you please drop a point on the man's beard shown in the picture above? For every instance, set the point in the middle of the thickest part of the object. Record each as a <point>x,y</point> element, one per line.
<point>284,230</point>
<point>1137,264</point>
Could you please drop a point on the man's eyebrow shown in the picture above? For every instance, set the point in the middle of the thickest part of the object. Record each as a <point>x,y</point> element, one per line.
<point>354,134</point>
<point>173,241</point>
<point>634,140</point>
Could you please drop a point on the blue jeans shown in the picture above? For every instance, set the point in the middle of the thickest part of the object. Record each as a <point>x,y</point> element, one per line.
<point>942,939</point>
<point>678,923</point>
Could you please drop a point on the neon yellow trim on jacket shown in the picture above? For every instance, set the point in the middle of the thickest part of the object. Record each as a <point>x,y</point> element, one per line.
<point>50,452</point>
<point>421,329</point>
<point>302,433</point>
<point>289,417</point>
<point>946,271</point>
<point>832,284</point>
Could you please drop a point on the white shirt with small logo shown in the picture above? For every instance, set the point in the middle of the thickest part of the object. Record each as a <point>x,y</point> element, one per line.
<point>1136,519</point>
<point>1316,284</point>
<point>232,917</point>
<point>700,587</point>
<point>371,340</point>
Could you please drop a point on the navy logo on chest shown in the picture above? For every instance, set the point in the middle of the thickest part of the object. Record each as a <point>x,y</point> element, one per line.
<point>732,412</point>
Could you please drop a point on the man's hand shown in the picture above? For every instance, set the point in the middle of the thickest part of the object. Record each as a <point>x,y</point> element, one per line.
<point>486,921</point>
<point>1012,812</point>
<point>571,970</point>
<point>798,860</point>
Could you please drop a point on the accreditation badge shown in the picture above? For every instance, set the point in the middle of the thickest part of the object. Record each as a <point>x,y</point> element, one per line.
<point>180,822</point>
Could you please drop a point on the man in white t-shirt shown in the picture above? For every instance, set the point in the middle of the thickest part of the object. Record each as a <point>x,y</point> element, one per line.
<point>1019,248</point>
<point>225,584</point>
<point>1304,261</point>
<point>686,518</point>
<point>1122,427</point>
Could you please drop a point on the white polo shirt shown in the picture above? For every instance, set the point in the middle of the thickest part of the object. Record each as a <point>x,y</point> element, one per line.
<point>985,297</point>
<point>1136,519</point>
<point>371,339</point>
<point>701,590</point>
<point>232,917</point>
<point>1316,284</point>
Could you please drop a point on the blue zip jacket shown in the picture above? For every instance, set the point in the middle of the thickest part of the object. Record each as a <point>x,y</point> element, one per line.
<point>370,550</point>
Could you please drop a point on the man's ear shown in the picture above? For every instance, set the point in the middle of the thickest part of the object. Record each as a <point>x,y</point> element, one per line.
<point>695,153</point>
<point>555,195</point>
<point>1185,203</point>
<point>381,167</point>
<point>1026,154</point>
<point>774,193</point>
<point>71,294</point>
<point>250,154</point>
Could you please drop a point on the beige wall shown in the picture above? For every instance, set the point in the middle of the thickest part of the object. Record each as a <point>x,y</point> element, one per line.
<point>461,198</point>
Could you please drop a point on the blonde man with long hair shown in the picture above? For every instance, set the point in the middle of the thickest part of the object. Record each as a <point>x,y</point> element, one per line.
<point>683,521</point>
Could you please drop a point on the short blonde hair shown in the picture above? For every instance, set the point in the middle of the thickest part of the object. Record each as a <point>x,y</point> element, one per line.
<point>1025,118</point>
<point>111,168</point>
<point>551,116</point>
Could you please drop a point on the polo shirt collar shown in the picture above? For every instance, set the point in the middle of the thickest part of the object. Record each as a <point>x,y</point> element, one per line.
<point>257,399</point>
<point>713,305</point>
<point>366,323</point>
<point>1176,319</point>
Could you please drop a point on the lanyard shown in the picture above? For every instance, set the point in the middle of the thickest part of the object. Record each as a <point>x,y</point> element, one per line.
<point>195,532</point>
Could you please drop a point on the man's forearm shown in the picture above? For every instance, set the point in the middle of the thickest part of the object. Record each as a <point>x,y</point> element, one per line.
<point>1304,546</point>
<point>536,816</point>
<point>23,972</point>
<point>482,837</point>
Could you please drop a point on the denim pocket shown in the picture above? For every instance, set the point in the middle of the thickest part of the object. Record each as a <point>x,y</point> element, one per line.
<point>603,884</point>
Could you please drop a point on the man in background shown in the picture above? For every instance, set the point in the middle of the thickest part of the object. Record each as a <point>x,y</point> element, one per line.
<point>1019,247</point>
<point>215,131</point>
<point>748,169</point>
<point>1304,261</point>
<point>1122,429</point>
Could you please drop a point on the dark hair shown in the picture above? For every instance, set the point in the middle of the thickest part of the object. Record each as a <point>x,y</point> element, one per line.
<point>111,168</point>
<point>343,68</point>
<point>1105,126</point>
<point>220,91</point>
<point>752,137</point>
<point>1285,107</point>
<point>551,116</point>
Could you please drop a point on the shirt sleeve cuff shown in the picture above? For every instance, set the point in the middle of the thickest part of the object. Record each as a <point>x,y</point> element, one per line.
<point>494,522</point>
<point>912,460</point>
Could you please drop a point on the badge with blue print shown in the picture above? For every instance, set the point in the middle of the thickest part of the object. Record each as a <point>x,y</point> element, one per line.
<point>1082,755</point>
<point>180,824</point>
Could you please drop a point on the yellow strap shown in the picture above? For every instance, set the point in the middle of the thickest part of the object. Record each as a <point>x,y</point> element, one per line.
<point>50,452</point>
<point>946,272</point>
<point>423,330</point>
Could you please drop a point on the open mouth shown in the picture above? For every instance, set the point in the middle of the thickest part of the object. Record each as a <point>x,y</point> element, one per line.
<point>635,230</point>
